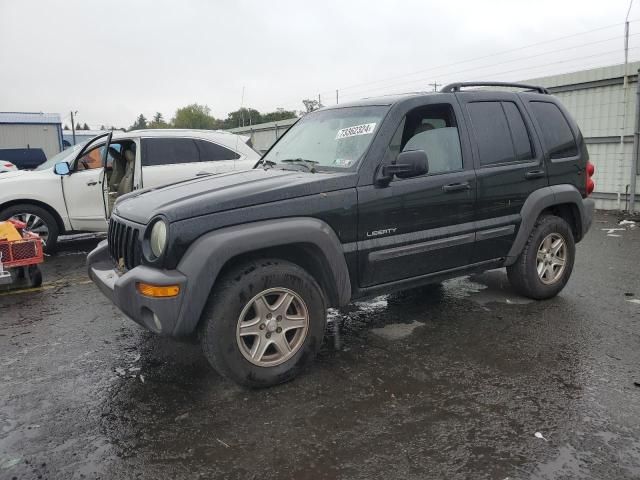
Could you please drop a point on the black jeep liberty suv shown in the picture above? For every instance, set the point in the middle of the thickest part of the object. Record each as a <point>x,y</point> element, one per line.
<point>355,200</point>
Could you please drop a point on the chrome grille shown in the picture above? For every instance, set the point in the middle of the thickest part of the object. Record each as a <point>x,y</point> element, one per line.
<point>124,245</point>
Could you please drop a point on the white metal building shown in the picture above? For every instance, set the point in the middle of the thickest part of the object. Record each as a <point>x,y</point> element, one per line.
<point>264,134</point>
<point>31,130</point>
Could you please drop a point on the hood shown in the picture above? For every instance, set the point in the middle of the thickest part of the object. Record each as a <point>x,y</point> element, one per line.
<point>218,193</point>
<point>17,174</point>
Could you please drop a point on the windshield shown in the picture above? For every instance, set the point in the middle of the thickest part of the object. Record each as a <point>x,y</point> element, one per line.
<point>329,138</point>
<point>64,156</point>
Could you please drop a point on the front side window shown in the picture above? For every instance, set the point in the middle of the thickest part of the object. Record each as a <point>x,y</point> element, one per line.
<point>556,133</point>
<point>167,151</point>
<point>90,160</point>
<point>335,138</point>
<point>433,129</point>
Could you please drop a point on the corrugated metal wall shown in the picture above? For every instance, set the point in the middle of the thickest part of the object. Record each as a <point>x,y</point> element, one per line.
<point>265,134</point>
<point>44,136</point>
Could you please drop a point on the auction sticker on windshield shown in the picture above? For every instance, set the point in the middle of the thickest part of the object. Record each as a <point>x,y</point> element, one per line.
<point>365,129</point>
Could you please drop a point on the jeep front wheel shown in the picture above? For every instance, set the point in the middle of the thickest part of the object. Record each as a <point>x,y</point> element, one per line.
<point>264,321</point>
<point>545,264</point>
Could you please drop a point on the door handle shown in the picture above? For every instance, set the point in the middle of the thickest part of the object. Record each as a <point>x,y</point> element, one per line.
<point>90,184</point>
<point>456,187</point>
<point>203,174</point>
<point>534,174</point>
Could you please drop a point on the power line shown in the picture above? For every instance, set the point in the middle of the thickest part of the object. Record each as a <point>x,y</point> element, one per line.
<point>480,67</point>
<point>493,55</point>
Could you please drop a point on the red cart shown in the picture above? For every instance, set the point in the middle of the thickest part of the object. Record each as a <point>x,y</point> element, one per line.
<point>20,255</point>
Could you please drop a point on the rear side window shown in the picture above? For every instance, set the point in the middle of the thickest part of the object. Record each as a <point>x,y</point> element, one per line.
<point>166,151</point>
<point>492,132</point>
<point>556,133</point>
<point>211,152</point>
<point>521,140</point>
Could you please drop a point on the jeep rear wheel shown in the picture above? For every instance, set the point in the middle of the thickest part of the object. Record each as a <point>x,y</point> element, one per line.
<point>264,321</point>
<point>546,262</point>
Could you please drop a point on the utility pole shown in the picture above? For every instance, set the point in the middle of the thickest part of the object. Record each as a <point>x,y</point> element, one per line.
<point>337,96</point>
<point>636,147</point>
<point>242,107</point>
<point>319,101</point>
<point>73,126</point>
<point>435,86</point>
<point>626,44</point>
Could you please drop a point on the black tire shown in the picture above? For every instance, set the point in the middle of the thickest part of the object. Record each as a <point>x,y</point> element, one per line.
<point>34,276</point>
<point>47,218</point>
<point>229,297</point>
<point>523,274</point>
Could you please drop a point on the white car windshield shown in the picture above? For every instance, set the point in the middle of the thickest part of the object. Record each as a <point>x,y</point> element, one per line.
<point>333,138</point>
<point>64,156</point>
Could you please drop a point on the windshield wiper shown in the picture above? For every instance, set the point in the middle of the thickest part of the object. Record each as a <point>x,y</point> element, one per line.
<point>308,164</point>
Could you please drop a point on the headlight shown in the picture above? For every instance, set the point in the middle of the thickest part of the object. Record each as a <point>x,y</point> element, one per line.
<point>158,238</point>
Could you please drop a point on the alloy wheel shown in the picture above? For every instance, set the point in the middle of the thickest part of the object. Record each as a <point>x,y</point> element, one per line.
<point>272,327</point>
<point>35,224</point>
<point>551,258</point>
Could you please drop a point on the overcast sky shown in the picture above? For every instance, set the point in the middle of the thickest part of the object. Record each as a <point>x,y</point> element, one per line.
<point>111,60</point>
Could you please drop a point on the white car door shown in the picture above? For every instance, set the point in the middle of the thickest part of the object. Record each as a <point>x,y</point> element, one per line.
<point>82,190</point>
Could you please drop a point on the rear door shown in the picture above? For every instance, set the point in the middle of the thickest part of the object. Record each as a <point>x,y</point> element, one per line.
<point>509,164</point>
<point>168,160</point>
<point>422,225</point>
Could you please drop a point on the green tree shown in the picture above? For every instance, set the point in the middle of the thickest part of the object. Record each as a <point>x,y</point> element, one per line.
<point>195,116</point>
<point>158,121</point>
<point>102,127</point>
<point>139,124</point>
<point>85,126</point>
<point>78,126</point>
<point>66,127</point>
<point>280,114</point>
<point>242,117</point>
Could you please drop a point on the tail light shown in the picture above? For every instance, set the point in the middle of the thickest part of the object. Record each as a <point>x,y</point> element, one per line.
<point>590,185</point>
<point>8,165</point>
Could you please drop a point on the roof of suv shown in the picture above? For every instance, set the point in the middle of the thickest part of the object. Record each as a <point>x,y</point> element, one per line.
<point>217,136</point>
<point>451,88</point>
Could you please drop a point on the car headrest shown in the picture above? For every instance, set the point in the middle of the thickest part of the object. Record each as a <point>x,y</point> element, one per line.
<point>129,155</point>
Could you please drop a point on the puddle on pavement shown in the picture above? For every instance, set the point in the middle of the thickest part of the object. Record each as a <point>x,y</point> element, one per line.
<point>396,331</point>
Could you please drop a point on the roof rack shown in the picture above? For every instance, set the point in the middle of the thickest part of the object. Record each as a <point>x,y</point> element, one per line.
<point>455,87</point>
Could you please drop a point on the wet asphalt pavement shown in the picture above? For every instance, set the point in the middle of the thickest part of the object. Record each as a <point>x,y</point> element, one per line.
<point>448,383</point>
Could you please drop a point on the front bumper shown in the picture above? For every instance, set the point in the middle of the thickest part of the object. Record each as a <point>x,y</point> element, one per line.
<point>160,315</point>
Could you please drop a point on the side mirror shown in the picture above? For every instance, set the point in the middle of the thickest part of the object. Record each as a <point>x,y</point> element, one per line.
<point>408,164</point>
<point>61,169</point>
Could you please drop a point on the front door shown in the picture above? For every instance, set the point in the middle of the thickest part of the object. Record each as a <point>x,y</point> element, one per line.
<point>418,226</point>
<point>82,189</point>
<point>509,165</point>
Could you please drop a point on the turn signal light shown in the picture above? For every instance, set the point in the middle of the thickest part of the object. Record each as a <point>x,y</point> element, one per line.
<point>158,291</point>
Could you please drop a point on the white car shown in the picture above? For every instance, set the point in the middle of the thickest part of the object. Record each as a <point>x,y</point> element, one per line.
<point>7,167</point>
<point>75,190</point>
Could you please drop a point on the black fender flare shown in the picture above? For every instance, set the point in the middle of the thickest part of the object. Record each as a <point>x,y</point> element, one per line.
<point>544,198</point>
<point>205,258</point>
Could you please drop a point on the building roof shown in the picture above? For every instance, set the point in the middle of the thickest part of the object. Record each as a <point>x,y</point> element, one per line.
<point>30,117</point>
